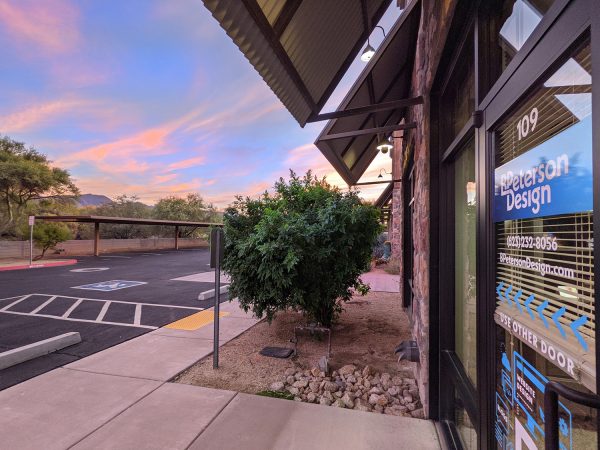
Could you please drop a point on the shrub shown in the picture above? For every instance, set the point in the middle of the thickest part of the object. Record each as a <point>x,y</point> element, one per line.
<point>47,234</point>
<point>303,247</point>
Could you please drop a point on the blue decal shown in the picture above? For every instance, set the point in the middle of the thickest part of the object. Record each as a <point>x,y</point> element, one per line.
<point>516,300</point>
<point>557,315</point>
<point>575,325</point>
<point>527,303</point>
<point>540,311</point>
<point>550,179</point>
<point>505,361</point>
<point>112,285</point>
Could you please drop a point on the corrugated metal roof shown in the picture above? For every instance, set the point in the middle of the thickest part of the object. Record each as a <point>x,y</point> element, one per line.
<point>303,65</point>
<point>390,71</point>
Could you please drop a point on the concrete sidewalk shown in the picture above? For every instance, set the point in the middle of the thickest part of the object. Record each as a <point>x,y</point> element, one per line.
<point>380,281</point>
<point>120,399</point>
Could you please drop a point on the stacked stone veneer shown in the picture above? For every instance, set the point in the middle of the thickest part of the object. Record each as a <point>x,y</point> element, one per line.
<point>435,21</point>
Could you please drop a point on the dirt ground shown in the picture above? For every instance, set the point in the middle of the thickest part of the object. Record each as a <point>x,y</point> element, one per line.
<point>367,333</point>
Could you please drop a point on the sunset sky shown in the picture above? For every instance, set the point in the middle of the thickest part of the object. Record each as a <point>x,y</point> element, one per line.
<point>151,98</point>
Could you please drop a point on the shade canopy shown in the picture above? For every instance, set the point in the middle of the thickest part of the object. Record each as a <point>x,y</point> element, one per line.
<point>385,80</point>
<point>301,48</point>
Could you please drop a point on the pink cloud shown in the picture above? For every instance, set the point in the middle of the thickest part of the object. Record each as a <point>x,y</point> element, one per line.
<point>186,163</point>
<point>49,26</point>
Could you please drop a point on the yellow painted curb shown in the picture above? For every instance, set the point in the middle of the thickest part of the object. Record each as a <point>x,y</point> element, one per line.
<point>195,321</point>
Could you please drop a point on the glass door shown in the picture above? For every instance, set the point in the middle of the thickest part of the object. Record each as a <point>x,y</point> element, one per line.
<point>543,215</point>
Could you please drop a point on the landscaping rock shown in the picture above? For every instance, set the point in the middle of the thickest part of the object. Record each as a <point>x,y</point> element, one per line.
<point>278,386</point>
<point>347,369</point>
<point>354,388</point>
<point>324,401</point>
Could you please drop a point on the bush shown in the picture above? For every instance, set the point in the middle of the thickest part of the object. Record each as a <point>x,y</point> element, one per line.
<point>47,234</point>
<point>304,247</point>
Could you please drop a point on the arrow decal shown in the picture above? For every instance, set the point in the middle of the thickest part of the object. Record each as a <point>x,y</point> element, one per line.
<point>516,300</point>
<point>540,311</point>
<point>499,290</point>
<point>527,303</point>
<point>557,315</point>
<point>575,325</point>
<point>507,293</point>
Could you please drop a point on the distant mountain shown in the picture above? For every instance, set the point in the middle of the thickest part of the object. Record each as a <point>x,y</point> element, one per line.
<point>93,200</point>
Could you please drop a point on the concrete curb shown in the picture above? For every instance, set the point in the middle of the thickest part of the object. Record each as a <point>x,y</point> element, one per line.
<point>210,294</point>
<point>68,262</point>
<point>40,348</point>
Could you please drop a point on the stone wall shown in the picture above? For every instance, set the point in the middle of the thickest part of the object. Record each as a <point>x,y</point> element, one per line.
<point>20,249</point>
<point>435,21</point>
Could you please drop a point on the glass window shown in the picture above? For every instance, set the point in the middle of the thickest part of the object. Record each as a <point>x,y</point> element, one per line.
<point>543,201</point>
<point>465,219</point>
<point>458,99</point>
<point>510,24</point>
<point>468,435</point>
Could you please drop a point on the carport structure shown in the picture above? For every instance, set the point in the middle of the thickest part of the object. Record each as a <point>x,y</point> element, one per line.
<point>97,220</point>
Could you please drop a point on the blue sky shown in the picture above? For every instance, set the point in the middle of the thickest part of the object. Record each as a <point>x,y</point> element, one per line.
<point>151,98</point>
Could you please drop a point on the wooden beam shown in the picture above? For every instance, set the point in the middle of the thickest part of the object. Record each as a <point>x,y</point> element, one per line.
<point>385,129</point>
<point>366,183</point>
<point>394,104</point>
<point>285,16</point>
<point>97,239</point>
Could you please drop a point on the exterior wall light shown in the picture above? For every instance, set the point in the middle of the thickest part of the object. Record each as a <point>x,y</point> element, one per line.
<point>385,145</point>
<point>369,51</point>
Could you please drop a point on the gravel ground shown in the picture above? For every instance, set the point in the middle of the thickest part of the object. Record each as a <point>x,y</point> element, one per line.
<point>366,334</point>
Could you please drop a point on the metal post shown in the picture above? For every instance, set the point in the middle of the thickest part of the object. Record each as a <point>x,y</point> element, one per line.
<point>217,247</point>
<point>30,243</point>
<point>176,237</point>
<point>96,238</point>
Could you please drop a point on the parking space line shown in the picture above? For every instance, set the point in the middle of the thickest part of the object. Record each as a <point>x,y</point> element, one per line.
<point>46,303</point>
<point>81,320</point>
<point>126,303</point>
<point>138,314</point>
<point>15,302</point>
<point>115,256</point>
<point>103,311</point>
<point>72,308</point>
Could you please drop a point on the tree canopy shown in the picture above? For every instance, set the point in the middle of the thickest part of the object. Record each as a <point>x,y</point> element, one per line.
<point>27,175</point>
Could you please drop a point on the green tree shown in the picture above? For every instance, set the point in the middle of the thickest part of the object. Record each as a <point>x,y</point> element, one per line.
<point>26,176</point>
<point>303,247</point>
<point>124,206</point>
<point>47,234</point>
<point>191,208</point>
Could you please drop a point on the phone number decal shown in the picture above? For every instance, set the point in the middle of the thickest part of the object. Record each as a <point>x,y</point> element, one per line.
<point>532,242</point>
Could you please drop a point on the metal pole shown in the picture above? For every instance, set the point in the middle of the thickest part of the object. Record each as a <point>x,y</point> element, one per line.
<point>217,298</point>
<point>31,244</point>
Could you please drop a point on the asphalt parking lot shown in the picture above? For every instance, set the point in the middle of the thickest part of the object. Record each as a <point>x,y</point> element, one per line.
<point>107,299</point>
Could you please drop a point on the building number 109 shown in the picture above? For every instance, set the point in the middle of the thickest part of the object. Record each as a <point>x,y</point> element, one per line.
<point>527,123</point>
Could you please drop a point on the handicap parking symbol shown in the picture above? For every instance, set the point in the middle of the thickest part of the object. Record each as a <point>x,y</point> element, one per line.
<point>112,285</point>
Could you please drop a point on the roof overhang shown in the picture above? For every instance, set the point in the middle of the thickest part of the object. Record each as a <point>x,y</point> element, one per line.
<point>127,220</point>
<point>301,48</point>
<point>376,103</point>
<point>385,196</point>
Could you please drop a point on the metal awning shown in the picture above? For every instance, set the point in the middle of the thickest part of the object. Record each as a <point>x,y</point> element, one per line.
<point>301,48</point>
<point>348,141</point>
<point>385,196</point>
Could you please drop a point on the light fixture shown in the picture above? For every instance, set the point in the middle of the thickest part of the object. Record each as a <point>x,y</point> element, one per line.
<point>382,171</point>
<point>369,51</point>
<point>384,145</point>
